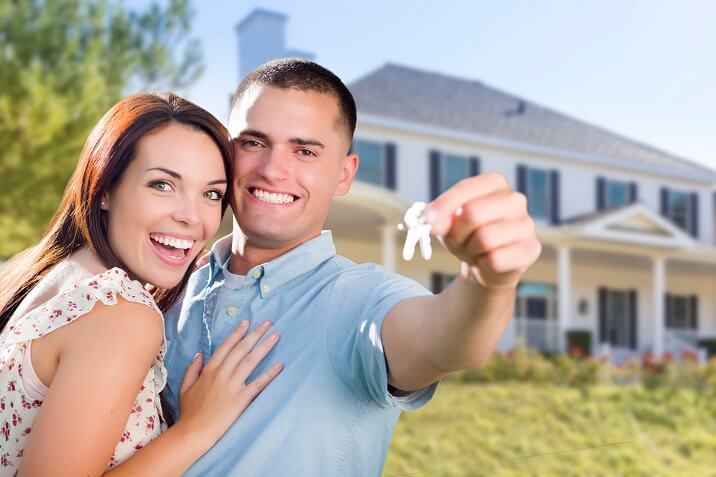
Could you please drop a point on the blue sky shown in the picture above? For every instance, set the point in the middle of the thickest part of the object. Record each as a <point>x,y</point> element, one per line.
<point>645,69</point>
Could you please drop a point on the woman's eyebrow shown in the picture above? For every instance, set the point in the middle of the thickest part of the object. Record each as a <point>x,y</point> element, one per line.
<point>175,175</point>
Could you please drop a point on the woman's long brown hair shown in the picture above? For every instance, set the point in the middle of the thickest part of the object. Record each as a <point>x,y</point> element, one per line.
<point>79,221</point>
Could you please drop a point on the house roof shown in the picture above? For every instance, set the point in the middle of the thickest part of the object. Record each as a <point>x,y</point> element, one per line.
<point>435,99</point>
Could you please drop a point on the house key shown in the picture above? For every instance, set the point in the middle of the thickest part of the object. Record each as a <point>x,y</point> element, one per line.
<point>418,232</point>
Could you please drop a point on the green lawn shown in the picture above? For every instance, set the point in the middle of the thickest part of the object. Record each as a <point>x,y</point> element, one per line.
<point>493,429</point>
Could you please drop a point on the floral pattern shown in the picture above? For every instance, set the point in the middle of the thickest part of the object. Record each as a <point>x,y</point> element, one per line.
<point>18,410</point>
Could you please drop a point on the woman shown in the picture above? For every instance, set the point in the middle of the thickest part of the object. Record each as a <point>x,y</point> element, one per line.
<point>82,341</point>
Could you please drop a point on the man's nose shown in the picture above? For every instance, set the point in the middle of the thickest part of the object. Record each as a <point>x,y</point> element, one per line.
<point>276,163</point>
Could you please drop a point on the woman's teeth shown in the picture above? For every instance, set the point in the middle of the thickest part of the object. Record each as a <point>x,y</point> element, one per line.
<point>172,241</point>
<point>272,198</point>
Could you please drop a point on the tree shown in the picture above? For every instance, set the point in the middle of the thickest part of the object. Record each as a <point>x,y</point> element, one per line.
<point>63,63</point>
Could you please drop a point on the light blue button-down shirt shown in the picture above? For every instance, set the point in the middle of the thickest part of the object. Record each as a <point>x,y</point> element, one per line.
<point>329,412</point>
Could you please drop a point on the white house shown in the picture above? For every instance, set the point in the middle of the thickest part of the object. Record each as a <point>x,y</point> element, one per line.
<point>629,260</point>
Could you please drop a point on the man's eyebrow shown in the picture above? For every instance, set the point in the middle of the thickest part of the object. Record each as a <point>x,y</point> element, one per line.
<point>256,134</point>
<point>306,142</point>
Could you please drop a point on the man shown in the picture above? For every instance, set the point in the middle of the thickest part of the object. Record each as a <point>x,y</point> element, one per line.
<point>359,344</point>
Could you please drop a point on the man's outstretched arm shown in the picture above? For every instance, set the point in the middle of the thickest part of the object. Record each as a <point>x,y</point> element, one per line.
<point>485,224</point>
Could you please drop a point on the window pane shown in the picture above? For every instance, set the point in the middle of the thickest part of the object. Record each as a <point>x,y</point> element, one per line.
<point>454,169</point>
<point>536,308</point>
<point>617,193</point>
<point>538,185</point>
<point>370,168</point>
<point>679,208</point>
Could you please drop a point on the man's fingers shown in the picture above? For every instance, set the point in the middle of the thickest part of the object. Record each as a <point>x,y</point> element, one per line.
<point>479,213</point>
<point>516,256</point>
<point>439,213</point>
<point>192,373</point>
<point>227,345</point>
<point>247,365</point>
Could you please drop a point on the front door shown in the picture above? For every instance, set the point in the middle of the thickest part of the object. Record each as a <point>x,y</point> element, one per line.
<point>618,318</point>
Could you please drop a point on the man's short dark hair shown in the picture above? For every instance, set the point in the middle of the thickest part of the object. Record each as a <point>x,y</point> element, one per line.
<point>303,75</point>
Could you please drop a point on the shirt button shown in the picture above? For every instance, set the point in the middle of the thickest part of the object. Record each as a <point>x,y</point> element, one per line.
<point>266,288</point>
<point>231,310</point>
<point>256,274</point>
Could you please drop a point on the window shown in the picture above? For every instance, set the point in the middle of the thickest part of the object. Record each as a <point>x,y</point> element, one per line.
<point>536,301</point>
<point>613,193</point>
<point>448,169</point>
<point>617,194</point>
<point>370,169</point>
<point>679,209</point>
<point>681,312</point>
<point>538,193</point>
<point>682,208</point>
<point>440,281</point>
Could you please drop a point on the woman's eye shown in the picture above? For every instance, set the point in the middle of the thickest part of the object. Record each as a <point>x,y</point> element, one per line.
<point>214,195</point>
<point>161,186</point>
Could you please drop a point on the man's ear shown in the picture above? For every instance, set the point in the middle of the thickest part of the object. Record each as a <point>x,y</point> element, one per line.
<point>348,170</point>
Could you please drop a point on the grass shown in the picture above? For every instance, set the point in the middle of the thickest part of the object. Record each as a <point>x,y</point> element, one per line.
<point>518,429</point>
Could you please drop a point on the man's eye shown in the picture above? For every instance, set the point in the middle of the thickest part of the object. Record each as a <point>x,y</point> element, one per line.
<point>161,186</point>
<point>214,195</point>
<point>306,153</point>
<point>250,143</point>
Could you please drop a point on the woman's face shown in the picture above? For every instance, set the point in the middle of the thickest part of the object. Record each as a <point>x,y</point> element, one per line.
<point>167,204</point>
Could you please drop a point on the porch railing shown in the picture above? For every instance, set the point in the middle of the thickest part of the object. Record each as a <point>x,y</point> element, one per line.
<point>539,334</point>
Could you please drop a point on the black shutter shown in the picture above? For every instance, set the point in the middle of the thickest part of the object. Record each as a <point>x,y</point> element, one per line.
<point>633,192</point>
<point>632,320</point>
<point>602,315</point>
<point>390,165</point>
<point>668,317</point>
<point>474,166</point>
<point>554,197</point>
<point>694,311</point>
<point>601,193</point>
<point>664,201</point>
<point>436,282</point>
<point>522,179</point>
<point>435,178</point>
<point>694,214</point>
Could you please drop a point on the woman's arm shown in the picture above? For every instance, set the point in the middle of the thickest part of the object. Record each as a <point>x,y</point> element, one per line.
<point>104,357</point>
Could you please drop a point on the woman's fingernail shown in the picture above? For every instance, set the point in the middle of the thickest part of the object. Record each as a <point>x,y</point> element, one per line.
<point>196,357</point>
<point>267,323</point>
<point>278,367</point>
<point>273,336</point>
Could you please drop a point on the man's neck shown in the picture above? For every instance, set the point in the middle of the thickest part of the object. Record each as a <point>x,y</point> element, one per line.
<point>241,263</point>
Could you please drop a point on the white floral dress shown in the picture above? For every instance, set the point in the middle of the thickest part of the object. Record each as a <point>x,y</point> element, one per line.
<point>18,409</point>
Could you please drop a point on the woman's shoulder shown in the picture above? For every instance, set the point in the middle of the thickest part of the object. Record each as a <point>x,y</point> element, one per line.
<point>111,293</point>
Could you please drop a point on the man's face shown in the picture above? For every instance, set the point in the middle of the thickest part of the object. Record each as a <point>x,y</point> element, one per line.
<point>291,159</point>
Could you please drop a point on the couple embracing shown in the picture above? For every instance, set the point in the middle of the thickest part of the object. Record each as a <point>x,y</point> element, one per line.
<point>278,357</point>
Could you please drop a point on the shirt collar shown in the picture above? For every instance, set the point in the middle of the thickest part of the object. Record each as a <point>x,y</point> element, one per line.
<point>280,270</point>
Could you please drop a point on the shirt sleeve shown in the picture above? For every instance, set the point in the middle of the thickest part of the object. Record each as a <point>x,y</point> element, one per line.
<point>353,333</point>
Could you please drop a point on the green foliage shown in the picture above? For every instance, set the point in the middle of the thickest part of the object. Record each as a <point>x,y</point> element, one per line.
<point>63,63</point>
<point>518,429</point>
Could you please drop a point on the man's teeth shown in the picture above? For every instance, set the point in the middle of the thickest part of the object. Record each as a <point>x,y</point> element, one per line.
<point>172,241</point>
<point>272,198</point>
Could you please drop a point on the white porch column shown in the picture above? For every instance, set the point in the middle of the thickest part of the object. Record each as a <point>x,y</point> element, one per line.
<point>658,286</point>
<point>564,300</point>
<point>387,246</point>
